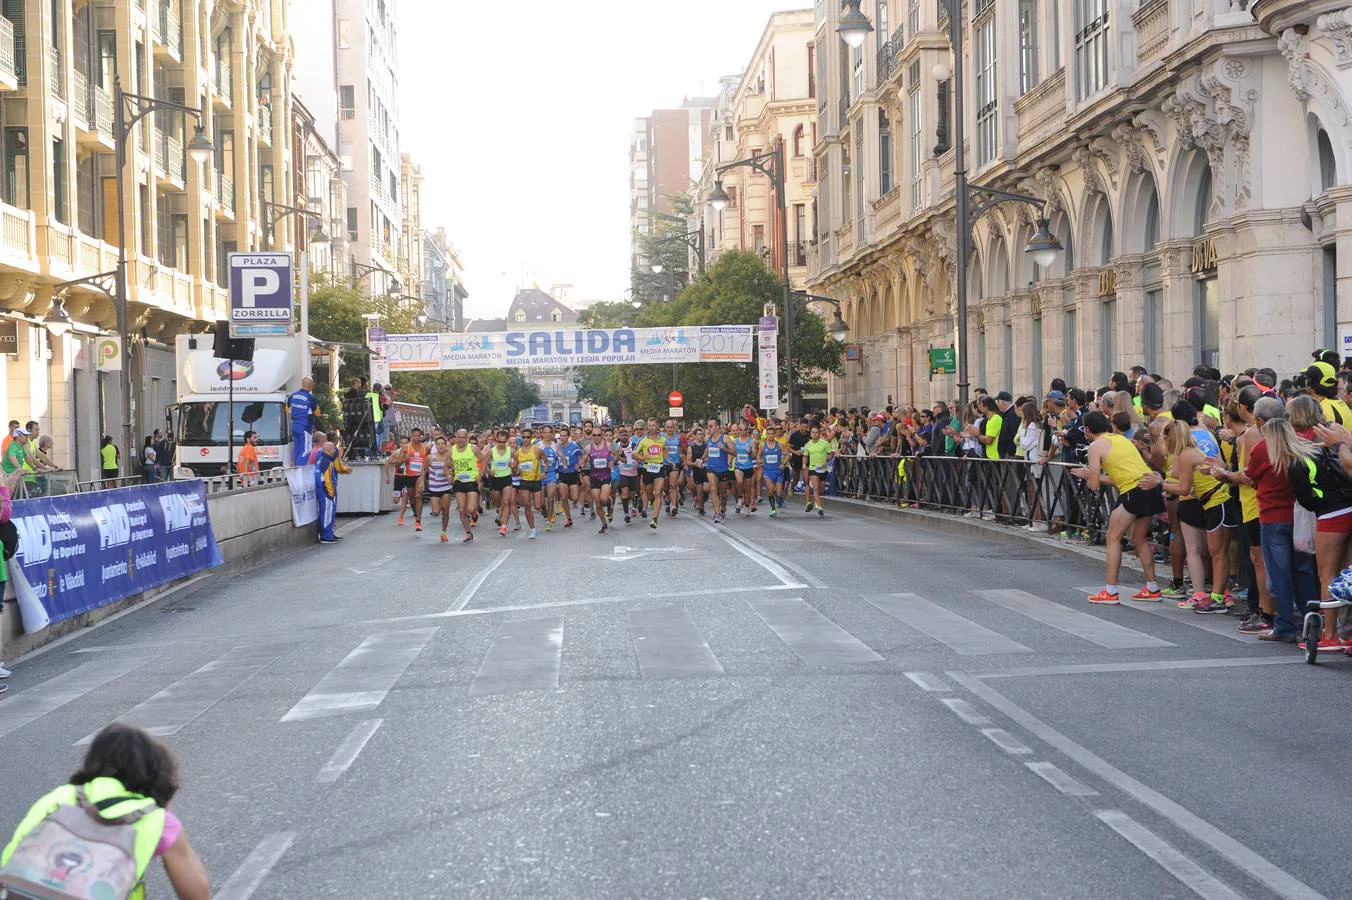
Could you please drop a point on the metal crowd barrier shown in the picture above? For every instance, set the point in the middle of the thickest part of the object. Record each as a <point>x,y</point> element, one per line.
<point>1010,491</point>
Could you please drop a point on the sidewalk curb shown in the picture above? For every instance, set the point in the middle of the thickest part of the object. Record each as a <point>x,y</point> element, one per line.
<point>955,524</point>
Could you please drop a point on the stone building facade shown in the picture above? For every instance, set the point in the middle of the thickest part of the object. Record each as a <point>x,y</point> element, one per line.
<point>1192,155</point>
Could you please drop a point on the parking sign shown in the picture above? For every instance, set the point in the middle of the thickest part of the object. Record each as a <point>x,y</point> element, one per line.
<point>261,295</point>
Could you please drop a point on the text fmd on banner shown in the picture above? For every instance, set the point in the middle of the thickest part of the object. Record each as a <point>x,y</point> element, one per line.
<point>83,551</point>
<point>261,294</point>
<point>569,347</point>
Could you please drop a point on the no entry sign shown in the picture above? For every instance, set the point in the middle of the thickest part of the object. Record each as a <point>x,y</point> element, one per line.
<point>675,398</point>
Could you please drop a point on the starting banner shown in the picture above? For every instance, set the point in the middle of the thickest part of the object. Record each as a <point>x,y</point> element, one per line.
<point>569,347</point>
<point>83,551</point>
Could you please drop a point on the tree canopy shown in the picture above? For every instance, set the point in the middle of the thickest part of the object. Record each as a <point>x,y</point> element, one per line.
<point>735,290</point>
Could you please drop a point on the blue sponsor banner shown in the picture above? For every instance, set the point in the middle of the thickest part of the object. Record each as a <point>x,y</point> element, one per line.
<point>83,551</point>
<point>569,347</point>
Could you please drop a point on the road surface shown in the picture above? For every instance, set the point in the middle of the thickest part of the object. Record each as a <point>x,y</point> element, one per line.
<point>797,707</point>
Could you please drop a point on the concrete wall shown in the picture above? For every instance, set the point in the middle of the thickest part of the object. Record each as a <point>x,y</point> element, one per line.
<point>250,525</point>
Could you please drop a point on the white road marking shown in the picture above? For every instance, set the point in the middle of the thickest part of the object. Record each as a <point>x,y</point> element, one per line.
<point>668,645</point>
<point>960,635</point>
<point>1277,880</point>
<point>1159,665</point>
<point>1073,621</point>
<point>1194,877</point>
<point>928,681</point>
<point>1066,784</point>
<point>816,639</point>
<point>625,554</point>
<point>378,564</point>
<point>477,582</point>
<point>349,527</point>
<point>54,693</point>
<point>256,866</point>
<point>362,680</point>
<point>347,751</point>
<point>525,656</point>
<point>1006,741</point>
<point>964,710</point>
<point>779,569</point>
<point>181,703</point>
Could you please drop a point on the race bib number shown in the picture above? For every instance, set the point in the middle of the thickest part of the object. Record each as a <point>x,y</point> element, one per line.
<point>772,459</point>
<point>527,465</point>
<point>415,467</point>
<point>715,452</point>
<point>654,467</point>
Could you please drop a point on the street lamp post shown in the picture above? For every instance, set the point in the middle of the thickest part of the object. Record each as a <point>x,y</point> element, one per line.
<point>692,239</point>
<point>719,201</point>
<point>837,327</point>
<point>272,214</point>
<point>1043,247</point>
<point>361,270</point>
<point>128,109</point>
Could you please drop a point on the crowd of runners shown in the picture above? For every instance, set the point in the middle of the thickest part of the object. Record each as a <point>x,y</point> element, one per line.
<point>602,473</point>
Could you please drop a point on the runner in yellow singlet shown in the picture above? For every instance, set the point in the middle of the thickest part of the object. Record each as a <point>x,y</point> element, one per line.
<point>526,462</point>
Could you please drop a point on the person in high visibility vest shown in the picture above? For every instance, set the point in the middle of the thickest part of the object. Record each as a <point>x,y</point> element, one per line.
<point>130,776</point>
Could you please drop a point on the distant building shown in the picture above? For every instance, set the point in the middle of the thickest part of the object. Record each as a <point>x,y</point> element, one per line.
<point>666,154</point>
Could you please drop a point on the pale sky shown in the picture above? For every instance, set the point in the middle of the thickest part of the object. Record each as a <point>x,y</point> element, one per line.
<point>520,115</point>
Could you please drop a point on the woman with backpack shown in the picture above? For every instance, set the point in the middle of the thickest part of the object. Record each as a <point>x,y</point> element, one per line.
<point>97,835</point>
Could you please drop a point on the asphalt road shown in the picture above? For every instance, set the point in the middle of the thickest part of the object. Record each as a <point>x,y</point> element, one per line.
<point>791,707</point>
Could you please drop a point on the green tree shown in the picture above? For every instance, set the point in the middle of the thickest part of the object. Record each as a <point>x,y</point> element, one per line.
<point>736,290</point>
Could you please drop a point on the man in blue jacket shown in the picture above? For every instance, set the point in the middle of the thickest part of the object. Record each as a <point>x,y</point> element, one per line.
<point>302,406</point>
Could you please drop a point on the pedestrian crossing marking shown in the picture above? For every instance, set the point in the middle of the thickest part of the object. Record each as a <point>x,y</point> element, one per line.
<point>524,656</point>
<point>1073,621</point>
<point>668,645</point>
<point>817,640</point>
<point>54,693</point>
<point>362,680</point>
<point>174,708</point>
<point>957,633</point>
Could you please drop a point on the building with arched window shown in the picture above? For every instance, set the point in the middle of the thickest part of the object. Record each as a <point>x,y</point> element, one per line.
<point>1192,155</point>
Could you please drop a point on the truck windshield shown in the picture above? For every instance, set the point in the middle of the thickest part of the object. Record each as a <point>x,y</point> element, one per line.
<point>208,424</point>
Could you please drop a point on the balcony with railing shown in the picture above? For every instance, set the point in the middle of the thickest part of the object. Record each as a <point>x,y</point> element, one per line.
<point>93,111</point>
<point>18,241</point>
<point>166,32</point>
<point>225,88</point>
<point>1151,22</point>
<point>265,124</point>
<point>889,54</point>
<point>225,195</point>
<point>56,84</point>
<point>797,253</point>
<point>9,73</point>
<point>844,112</point>
<point>170,160</point>
<point>804,170</point>
<point>1042,111</point>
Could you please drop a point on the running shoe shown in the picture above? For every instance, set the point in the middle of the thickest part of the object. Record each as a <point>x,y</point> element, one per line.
<point>808,507</point>
<point>503,531</point>
<point>1209,606</point>
<point>820,511</point>
<point>1103,598</point>
<point>5,673</point>
<point>701,512</point>
<point>444,538</point>
<point>773,512</point>
<point>1146,593</point>
<point>532,535</point>
<point>1201,598</point>
<point>653,524</point>
<point>1174,590</point>
<point>568,524</point>
<point>327,541</point>
<point>1254,625</point>
<point>549,525</point>
<point>627,520</point>
<point>469,538</point>
<point>400,522</point>
<point>1325,645</point>
<point>417,527</point>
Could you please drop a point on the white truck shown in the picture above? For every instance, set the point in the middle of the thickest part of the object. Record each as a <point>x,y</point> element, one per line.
<point>200,420</point>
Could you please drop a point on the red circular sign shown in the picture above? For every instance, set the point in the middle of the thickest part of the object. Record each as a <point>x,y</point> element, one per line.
<point>675,398</point>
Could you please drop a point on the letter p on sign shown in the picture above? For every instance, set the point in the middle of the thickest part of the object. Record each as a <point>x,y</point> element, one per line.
<point>256,282</point>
